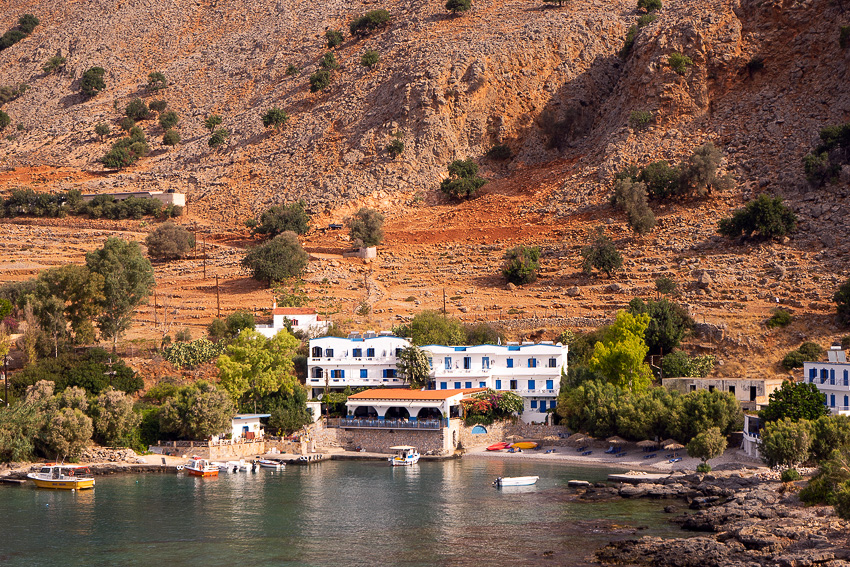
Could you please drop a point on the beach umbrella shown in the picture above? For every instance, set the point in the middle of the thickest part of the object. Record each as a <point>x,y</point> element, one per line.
<point>667,442</point>
<point>646,443</point>
<point>615,440</point>
<point>576,438</point>
<point>551,438</point>
<point>674,446</point>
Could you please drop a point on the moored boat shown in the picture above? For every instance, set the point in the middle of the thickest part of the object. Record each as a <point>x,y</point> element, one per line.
<point>501,445</point>
<point>270,464</point>
<point>406,455</point>
<point>201,467</point>
<point>525,445</point>
<point>63,477</point>
<point>516,481</point>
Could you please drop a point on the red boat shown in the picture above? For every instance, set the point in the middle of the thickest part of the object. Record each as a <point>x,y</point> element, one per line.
<point>499,446</point>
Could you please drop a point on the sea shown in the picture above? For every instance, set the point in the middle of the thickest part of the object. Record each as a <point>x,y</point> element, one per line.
<point>332,513</point>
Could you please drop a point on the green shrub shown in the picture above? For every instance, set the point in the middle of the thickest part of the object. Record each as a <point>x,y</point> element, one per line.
<point>137,110</point>
<point>662,181</point>
<point>53,64</point>
<point>780,318</point>
<point>793,359</point>
<point>463,180</point>
<point>328,61</point>
<point>4,120</point>
<point>369,22</point>
<point>458,6</point>
<point>334,38</point>
<point>600,253</point>
<point>102,130</point>
<point>291,70</point>
<point>646,19</point>
<point>679,63</point>
<point>171,138</point>
<point>218,138</point>
<point>843,36</point>
<point>649,5</point>
<point>276,260</point>
<point>275,117</point>
<point>631,197</point>
<point>807,352</point>
<point>629,42</point>
<point>521,264</point>
<point>395,147</point>
<point>212,121</point>
<point>92,81</point>
<point>127,151</point>
<point>194,353</point>
<point>127,124</point>
<point>366,227</point>
<point>169,242</point>
<point>766,217</point>
<point>156,81</point>
<point>841,298</point>
<point>500,152</point>
<point>370,58</point>
<point>283,218</point>
<point>698,175</point>
<point>168,120</point>
<point>790,475</point>
<point>158,105</point>
<point>8,93</point>
<point>703,468</point>
<point>320,80</point>
<point>640,120</point>
<point>27,23</point>
<point>818,168</point>
<point>825,162</point>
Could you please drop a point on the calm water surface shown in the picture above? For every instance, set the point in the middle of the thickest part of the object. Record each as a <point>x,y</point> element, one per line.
<point>327,514</point>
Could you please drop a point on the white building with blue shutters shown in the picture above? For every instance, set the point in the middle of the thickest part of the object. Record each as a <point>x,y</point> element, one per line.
<point>832,378</point>
<point>531,370</point>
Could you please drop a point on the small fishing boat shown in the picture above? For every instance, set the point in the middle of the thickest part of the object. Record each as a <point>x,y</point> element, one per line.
<point>63,477</point>
<point>516,481</point>
<point>500,446</point>
<point>525,445</point>
<point>406,455</point>
<point>270,464</point>
<point>200,467</point>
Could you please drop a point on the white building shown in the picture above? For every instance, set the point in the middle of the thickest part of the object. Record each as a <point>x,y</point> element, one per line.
<point>832,378</point>
<point>169,197</point>
<point>305,320</point>
<point>533,371</point>
<point>248,425</point>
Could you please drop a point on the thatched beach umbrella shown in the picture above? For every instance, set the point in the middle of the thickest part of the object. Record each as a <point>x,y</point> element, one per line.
<point>576,438</point>
<point>667,442</point>
<point>615,440</point>
<point>647,443</point>
<point>674,446</point>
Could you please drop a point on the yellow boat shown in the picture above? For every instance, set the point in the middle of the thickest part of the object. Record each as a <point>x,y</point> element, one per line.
<point>63,477</point>
<point>524,445</point>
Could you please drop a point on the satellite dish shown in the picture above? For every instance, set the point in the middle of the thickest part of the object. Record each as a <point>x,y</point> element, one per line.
<point>319,397</point>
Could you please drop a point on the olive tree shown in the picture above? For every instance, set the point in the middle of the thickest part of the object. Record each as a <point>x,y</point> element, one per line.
<point>169,241</point>
<point>114,418</point>
<point>785,442</point>
<point>278,259</point>
<point>707,445</point>
<point>366,227</point>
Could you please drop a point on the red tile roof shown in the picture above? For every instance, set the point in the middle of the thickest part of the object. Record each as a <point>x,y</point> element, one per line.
<point>404,394</point>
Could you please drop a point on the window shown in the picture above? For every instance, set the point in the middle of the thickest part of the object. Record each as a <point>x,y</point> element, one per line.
<point>364,373</point>
<point>498,384</point>
<point>846,401</point>
<point>389,373</point>
<point>532,384</point>
<point>846,379</point>
<point>317,351</point>
<point>443,385</point>
<point>357,353</point>
<point>832,377</point>
<point>482,384</point>
<point>329,352</point>
<point>532,363</point>
<point>732,390</point>
<point>693,388</point>
<point>510,363</point>
<point>533,404</point>
<point>550,384</point>
<point>813,373</point>
<point>448,363</point>
<point>542,406</point>
<point>457,385</point>
<point>711,388</point>
<point>337,373</point>
<point>398,352</point>
<point>485,363</point>
<point>370,352</point>
<point>824,374</point>
<point>467,385</point>
<point>467,362</point>
<point>832,400</point>
<point>553,362</point>
<point>318,373</point>
<point>513,384</point>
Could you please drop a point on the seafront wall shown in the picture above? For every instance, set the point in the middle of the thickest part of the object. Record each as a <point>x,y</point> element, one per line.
<point>222,451</point>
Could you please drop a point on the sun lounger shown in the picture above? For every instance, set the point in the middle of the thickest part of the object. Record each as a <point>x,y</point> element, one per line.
<point>610,450</point>
<point>652,456</point>
<point>620,454</point>
<point>586,453</point>
<point>676,460</point>
<point>581,449</point>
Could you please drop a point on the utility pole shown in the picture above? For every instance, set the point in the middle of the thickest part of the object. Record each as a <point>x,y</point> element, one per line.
<point>205,257</point>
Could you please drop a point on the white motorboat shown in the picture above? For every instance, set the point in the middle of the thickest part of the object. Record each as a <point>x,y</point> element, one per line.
<point>270,464</point>
<point>516,481</point>
<point>406,455</point>
<point>200,467</point>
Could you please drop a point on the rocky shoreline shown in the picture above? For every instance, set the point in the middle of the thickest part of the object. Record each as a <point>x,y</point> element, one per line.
<point>744,520</point>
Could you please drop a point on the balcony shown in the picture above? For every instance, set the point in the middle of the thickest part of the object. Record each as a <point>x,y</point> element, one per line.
<point>364,423</point>
<point>537,392</point>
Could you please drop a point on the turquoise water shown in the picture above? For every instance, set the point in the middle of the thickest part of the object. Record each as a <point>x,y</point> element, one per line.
<point>334,513</point>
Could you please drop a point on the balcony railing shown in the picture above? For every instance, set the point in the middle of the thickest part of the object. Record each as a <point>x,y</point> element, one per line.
<point>369,423</point>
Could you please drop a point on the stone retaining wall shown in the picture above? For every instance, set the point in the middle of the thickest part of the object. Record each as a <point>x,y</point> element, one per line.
<point>214,453</point>
<point>501,430</point>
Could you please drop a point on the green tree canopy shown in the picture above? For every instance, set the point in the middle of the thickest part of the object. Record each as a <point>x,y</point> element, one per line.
<point>366,227</point>
<point>197,411</point>
<point>522,264</point>
<point>255,366</point>
<point>458,6</point>
<point>92,81</point>
<point>669,323</point>
<point>282,218</point>
<point>275,118</point>
<point>463,180</point>
<point>785,442</point>
<point>127,282</point>
<point>114,418</point>
<point>766,217</point>
<point>601,253</point>
<point>621,353</point>
<point>795,401</point>
<point>707,445</point>
<point>169,241</point>
<point>413,367</point>
<point>433,328</point>
<point>276,260</point>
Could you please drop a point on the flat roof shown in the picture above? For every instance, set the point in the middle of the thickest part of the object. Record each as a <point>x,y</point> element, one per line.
<point>403,394</point>
<point>251,415</point>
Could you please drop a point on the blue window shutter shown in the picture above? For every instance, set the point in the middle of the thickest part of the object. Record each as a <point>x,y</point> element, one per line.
<point>482,384</point>
<point>468,385</point>
<point>498,384</point>
<point>364,373</point>
<point>444,385</point>
<point>457,385</point>
<point>550,384</point>
<point>533,404</point>
<point>532,384</point>
<point>510,363</point>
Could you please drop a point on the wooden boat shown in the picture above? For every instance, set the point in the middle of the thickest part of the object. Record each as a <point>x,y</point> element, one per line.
<point>499,446</point>
<point>200,467</point>
<point>407,455</point>
<point>269,464</point>
<point>525,445</point>
<point>516,481</point>
<point>63,477</point>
